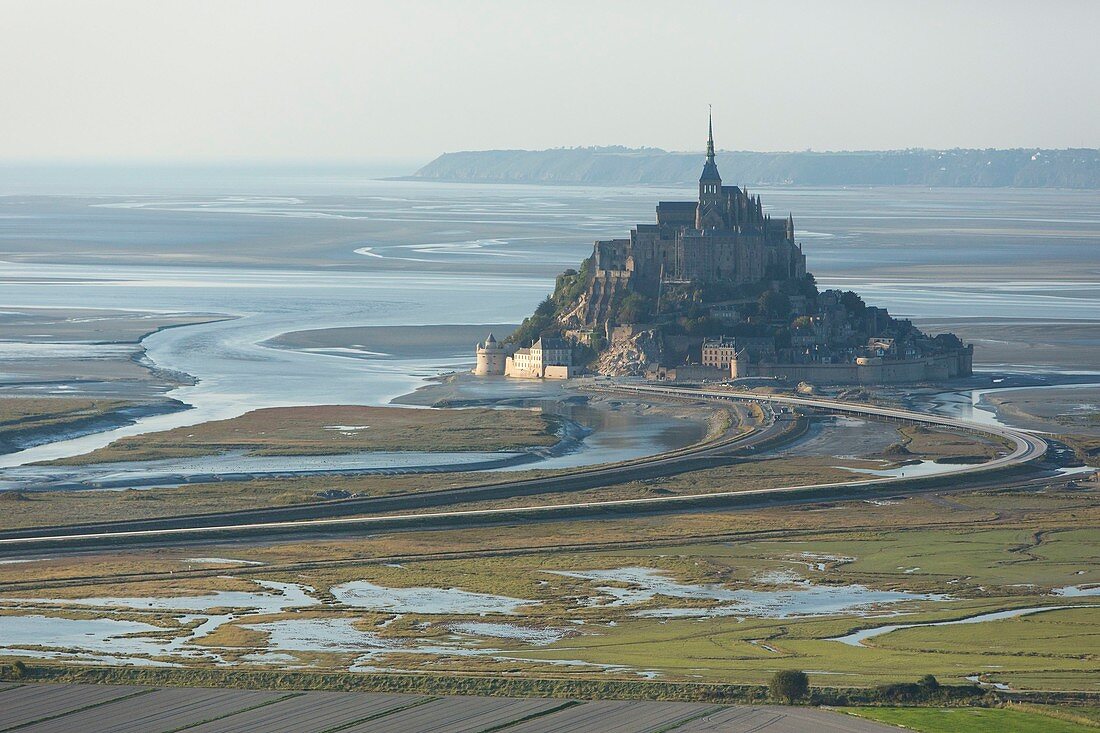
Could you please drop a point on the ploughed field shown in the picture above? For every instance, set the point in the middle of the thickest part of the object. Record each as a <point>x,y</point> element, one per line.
<point>61,708</point>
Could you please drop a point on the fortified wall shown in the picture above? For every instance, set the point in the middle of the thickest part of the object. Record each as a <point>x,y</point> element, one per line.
<point>959,363</point>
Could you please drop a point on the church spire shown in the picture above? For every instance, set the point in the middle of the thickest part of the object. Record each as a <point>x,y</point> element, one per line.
<point>709,214</point>
<point>710,134</point>
<point>710,182</point>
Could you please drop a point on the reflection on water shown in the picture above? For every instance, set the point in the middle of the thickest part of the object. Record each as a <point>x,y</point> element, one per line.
<point>858,637</point>
<point>236,465</point>
<point>969,405</point>
<point>917,468</point>
<point>621,435</point>
<point>363,594</point>
<point>792,596</point>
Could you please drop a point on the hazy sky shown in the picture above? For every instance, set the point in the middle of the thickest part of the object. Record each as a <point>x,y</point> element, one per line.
<point>326,81</point>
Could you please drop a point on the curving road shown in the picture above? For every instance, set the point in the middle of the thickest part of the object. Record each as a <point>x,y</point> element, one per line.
<point>1026,447</point>
<point>320,519</point>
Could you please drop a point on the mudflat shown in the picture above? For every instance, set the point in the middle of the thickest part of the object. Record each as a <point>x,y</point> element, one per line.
<point>1073,410</point>
<point>1026,342</point>
<point>90,351</point>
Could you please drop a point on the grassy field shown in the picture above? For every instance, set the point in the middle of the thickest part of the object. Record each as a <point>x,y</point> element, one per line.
<point>34,509</point>
<point>21,416</point>
<point>337,429</point>
<point>50,508</point>
<point>922,442</point>
<point>1027,544</point>
<point>971,720</point>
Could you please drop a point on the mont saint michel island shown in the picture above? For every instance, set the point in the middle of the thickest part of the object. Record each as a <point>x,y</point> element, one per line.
<point>716,289</point>
<point>509,366</point>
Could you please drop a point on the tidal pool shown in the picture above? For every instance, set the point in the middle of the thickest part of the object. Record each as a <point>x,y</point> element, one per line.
<point>857,638</point>
<point>285,595</point>
<point>915,468</point>
<point>112,641</point>
<point>339,635</point>
<point>1077,591</point>
<point>526,634</point>
<point>94,635</point>
<point>793,596</point>
<point>322,635</point>
<point>364,594</point>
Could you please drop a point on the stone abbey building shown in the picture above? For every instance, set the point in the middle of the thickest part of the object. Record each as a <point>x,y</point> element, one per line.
<point>725,236</point>
<point>720,290</point>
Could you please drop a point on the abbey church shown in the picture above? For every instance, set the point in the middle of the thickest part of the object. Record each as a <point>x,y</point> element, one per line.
<point>723,237</point>
<point>718,289</point>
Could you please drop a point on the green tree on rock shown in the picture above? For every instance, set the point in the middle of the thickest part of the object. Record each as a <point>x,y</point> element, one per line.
<point>635,308</point>
<point>774,304</point>
<point>789,685</point>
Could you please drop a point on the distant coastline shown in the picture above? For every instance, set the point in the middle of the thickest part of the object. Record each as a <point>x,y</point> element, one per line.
<point>1076,168</point>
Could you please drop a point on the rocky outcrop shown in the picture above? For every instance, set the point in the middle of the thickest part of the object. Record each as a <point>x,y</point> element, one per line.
<point>629,351</point>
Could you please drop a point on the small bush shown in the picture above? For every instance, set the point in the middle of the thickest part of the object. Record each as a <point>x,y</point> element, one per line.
<point>929,683</point>
<point>789,685</point>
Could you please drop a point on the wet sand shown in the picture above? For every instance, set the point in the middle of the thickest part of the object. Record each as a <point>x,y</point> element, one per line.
<point>1073,410</point>
<point>403,342</point>
<point>52,355</point>
<point>620,428</point>
<point>85,351</point>
<point>614,429</point>
<point>388,253</point>
<point>1025,343</point>
<point>88,325</point>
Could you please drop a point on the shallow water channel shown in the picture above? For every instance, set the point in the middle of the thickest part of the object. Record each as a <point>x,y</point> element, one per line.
<point>169,630</point>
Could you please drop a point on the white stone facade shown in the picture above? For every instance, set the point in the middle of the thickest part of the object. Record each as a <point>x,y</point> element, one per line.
<point>546,359</point>
<point>491,358</point>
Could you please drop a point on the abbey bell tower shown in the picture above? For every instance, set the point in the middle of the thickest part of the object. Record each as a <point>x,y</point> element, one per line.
<point>708,215</point>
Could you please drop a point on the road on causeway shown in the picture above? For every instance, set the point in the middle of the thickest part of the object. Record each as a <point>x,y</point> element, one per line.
<point>319,519</point>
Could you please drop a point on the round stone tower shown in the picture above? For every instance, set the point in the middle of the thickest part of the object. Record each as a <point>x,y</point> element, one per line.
<point>490,358</point>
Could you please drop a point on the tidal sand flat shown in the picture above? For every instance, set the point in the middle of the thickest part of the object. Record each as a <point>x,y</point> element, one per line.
<point>65,351</point>
<point>1063,410</point>
<point>475,254</point>
<point>1026,344</point>
<point>75,325</point>
<point>68,372</point>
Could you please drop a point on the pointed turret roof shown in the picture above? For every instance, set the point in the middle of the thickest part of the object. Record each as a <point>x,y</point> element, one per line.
<point>710,169</point>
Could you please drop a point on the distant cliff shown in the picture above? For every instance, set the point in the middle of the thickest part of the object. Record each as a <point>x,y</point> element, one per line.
<point>1024,168</point>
